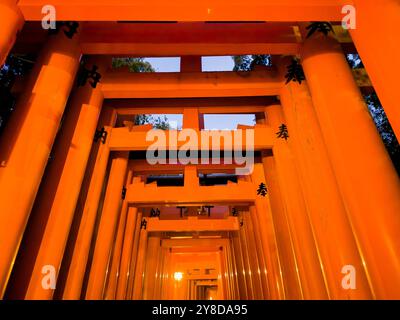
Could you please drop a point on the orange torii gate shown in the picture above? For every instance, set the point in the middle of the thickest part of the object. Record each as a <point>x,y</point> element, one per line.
<point>333,197</point>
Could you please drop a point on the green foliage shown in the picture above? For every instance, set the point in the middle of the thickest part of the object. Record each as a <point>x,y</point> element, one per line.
<point>133,64</point>
<point>247,63</point>
<point>379,117</point>
<point>15,66</point>
<point>384,128</point>
<point>354,61</point>
<point>157,122</point>
<point>140,65</point>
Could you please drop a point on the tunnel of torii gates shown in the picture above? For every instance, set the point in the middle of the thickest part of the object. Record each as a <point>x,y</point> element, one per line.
<point>83,215</point>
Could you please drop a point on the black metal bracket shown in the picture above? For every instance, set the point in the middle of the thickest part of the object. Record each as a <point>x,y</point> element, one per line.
<point>235,212</point>
<point>123,195</point>
<point>100,134</point>
<point>88,75</point>
<point>143,224</point>
<point>71,28</point>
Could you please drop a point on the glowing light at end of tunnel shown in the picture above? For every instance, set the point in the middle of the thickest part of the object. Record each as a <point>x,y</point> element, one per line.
<point>178,276</point>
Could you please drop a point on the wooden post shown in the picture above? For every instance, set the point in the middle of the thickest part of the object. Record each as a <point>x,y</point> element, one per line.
<point>307,256</point>
<point>376,44</point>
<point>107,227</point>
<point>11,21</point>
<point>26,143</point>
<point>365,174</point>
<point>332,229</point>
<point>127,248</point>
<point>87,211</point>
<point>114,271</point>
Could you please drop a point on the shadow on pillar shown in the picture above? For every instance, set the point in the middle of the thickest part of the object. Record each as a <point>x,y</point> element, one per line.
<point>31,241</point>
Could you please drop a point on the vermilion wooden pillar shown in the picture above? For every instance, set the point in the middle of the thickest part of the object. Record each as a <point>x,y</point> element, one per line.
<point>268,238</point>
<point>86,211</point>
<point>233,269</point>
<point>242,281</point>
<point>107,228</point>
<point>332,229</point>
<point>115,264</point>
<point>306,250</point>
<point>377,44</point>
<point>160,272</point>
<point>260,283</point>
<point>166,275</point>
<point>150,272</point>
<point>190,64</point>
<point>137,292</point>
<point>222,262</point>
<point>58,194</point>
<point>191,118</point>
<point>251,291</point>
<point>365,174</point>
<point>133,259</point>
<point>255,233</point>
<point>284,238</point>
<point>129,239</point>
<point>11,21</point>
<point>26,143</point>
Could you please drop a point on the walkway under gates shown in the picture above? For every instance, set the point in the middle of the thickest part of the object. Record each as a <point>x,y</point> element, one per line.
<point>304,204</point>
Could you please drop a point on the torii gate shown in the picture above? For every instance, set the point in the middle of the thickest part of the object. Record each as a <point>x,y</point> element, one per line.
<point>333,194</point>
